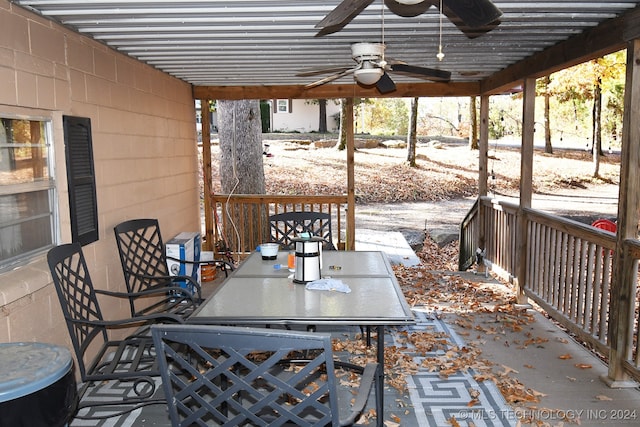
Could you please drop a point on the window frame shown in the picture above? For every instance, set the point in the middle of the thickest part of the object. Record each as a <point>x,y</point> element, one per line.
<point>49,185</point>
<point>286,103</point>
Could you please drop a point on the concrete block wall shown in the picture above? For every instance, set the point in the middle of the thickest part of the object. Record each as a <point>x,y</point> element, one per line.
<point>144,143</point>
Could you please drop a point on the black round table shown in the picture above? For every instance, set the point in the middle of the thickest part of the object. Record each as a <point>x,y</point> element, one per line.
<point>37,385</point>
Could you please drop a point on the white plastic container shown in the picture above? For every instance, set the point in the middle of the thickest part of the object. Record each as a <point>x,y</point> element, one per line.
<point>269,251</point>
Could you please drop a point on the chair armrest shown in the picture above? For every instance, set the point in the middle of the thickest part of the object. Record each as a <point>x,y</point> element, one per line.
<point>161,289</point>
<point>132,321</point>
<point>217,262</point>
<point>171,279</point>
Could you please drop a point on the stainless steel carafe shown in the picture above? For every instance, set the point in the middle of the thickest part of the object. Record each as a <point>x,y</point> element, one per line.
<point>308,259</point>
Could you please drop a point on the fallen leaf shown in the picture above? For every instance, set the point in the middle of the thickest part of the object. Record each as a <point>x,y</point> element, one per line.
<point>452,421</point>
<point>603,397</point>
<point>508,370</point>
<point>565,356</point>
<point>583,366</point>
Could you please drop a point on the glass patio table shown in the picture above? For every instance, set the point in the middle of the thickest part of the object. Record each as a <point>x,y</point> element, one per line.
<point>258,294</point>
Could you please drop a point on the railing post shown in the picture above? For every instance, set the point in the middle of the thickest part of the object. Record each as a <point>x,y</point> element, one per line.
<point>483,173</point>
<point>206,176</point>
<point>351,194</point>
<point>625,270</point>
<point>526,178</point>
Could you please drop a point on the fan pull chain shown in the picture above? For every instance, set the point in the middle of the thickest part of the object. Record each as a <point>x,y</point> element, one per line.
<point>440,54</point>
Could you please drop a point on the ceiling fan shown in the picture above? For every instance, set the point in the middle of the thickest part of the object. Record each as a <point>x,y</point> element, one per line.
<point>472,17</point>
<point>372,69</point>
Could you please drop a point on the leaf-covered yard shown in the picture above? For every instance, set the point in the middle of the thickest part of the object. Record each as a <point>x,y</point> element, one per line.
<point>446,169</point>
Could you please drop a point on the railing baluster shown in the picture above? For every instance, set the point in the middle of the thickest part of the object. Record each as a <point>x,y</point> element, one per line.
<point>237,208</point>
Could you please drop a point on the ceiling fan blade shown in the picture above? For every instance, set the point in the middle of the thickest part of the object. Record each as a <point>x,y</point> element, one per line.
<point>408,10</point>
<point>331,78</point>
<point>385,84</point>
<point>341,16</point>
<point>422,72</point>
<point>473,13</point>
<point>317,71</point>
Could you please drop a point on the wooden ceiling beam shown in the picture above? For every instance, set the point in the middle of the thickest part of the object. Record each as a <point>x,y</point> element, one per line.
<point>335,91</point>
<point>606,38</point>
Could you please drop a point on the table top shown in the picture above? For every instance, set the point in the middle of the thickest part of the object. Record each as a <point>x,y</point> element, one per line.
<point>27,367</point>
<point>248,298</point>
<point>334,264</point>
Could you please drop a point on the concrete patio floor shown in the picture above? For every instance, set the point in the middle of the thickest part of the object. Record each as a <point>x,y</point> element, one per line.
<point>565,377</point>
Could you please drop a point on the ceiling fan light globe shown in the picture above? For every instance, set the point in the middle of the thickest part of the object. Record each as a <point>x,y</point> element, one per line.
<point>368,76</point>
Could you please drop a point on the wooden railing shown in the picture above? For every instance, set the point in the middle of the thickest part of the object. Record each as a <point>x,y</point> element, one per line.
<point>569,269</point>
<point>469,234</point>
<point>241,221</point>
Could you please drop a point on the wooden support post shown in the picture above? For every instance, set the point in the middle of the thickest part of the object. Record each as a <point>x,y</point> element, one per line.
<point>209,244</point>
<point>483,173</point>
<point>623,283</point>
<point>526,186</point>
<point>351,193</point>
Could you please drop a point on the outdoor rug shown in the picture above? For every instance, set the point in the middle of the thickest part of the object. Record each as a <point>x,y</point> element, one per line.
<point>434,400</point>
<point>437,400</point>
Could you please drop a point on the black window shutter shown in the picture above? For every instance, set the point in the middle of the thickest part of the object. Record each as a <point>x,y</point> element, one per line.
<point>81,179</point>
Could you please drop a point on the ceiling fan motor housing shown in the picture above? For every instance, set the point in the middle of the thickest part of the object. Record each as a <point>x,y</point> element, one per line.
<point>367,51</point>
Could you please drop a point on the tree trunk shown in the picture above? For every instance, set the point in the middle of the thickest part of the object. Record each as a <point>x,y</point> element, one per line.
<point>241,168</point>
<point>342,138</point>
<point>412,135</point>
<point>473,128</point>
<point>322,123</point>
<point>547,116</point>
<point>597,128</point>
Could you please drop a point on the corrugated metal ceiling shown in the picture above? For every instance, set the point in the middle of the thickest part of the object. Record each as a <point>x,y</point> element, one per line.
<point>267,42</point>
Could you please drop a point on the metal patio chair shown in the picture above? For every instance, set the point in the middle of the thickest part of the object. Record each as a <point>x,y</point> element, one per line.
<point>287,226</point>
<point>146,273</point>
<point>215,375</point>
<point>128,360</point>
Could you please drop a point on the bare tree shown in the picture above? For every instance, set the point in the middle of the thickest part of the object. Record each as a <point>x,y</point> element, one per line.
<point>342,134</point>
<point>548,148</point>
<point>412,135</point>
<point>241,168</point>
<point>473,131</point>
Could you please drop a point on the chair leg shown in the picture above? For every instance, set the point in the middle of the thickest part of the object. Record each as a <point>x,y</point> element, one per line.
<point>366,335</point>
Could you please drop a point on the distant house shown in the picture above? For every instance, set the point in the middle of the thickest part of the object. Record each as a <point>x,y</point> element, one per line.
<point>299,115</point>
<point>288,115</point>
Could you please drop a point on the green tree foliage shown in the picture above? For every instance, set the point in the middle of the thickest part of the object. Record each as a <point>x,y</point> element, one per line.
<point>387,116</point>
<point>577,87</point>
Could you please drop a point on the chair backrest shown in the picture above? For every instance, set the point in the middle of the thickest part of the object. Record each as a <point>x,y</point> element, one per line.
<point>214,375</point>
<point>287,226</point>
<point>77,298</point>
<point>142,253</point>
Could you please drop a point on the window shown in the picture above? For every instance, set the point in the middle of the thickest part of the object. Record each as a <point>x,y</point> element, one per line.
<point>27,198</point>
<point>283,106</point>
